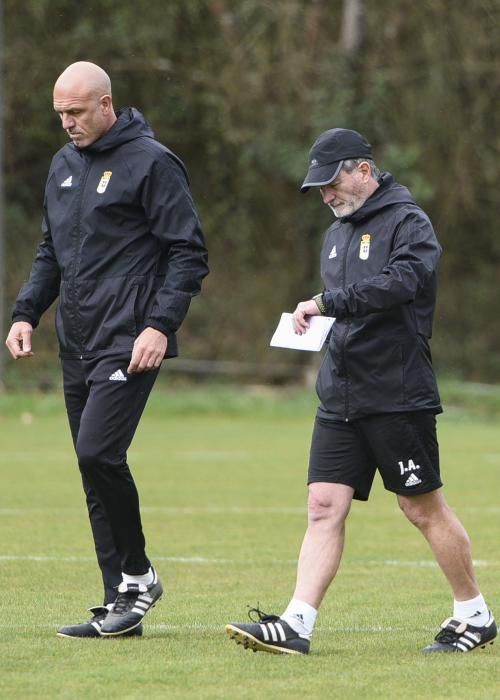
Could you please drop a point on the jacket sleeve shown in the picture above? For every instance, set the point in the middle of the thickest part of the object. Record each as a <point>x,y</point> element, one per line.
<point>42,287</point>
<point>412,264</point>
<point>173,219</point>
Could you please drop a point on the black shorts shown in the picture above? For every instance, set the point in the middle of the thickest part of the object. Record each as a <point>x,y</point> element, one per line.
<point>402,446</point>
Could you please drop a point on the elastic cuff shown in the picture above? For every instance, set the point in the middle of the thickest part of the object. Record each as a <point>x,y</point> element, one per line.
<point>158,326</point>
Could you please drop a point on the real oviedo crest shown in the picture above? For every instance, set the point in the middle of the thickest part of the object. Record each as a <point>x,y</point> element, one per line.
<point>104,181</point>
<point>364,247</point>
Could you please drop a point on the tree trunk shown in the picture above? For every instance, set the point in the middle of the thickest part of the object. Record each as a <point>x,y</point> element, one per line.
<point>353,24</point>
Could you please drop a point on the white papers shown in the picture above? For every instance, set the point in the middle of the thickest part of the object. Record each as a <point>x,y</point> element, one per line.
<point>313,339</point>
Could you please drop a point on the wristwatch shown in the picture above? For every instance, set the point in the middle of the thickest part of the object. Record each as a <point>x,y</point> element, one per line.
<point>318,298</point>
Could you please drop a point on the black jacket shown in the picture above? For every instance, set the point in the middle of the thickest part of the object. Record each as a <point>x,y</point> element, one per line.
<point>122,244</point>
<point>379,272</point>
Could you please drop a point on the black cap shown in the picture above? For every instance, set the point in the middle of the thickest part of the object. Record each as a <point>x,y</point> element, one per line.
<point>328,153</point>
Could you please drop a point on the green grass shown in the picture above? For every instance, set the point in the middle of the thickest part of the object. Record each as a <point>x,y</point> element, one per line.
<point>221,475</point>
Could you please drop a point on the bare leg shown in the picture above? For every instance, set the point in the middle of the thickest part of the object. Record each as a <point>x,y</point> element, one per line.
<point>447,538</point>
<point>321,551</point>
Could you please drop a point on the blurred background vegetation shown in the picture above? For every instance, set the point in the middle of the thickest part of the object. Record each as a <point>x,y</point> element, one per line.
<point>239,90</point>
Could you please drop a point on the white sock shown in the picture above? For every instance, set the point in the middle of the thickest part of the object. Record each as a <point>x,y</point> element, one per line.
<point>474,611</point>
<point>301,617</point>
<point>147,578</point>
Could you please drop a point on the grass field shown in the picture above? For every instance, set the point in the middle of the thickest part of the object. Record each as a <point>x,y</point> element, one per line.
<point>221,476</point>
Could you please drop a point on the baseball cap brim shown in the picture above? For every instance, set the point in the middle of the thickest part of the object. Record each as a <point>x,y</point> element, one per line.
<point>319,175</point>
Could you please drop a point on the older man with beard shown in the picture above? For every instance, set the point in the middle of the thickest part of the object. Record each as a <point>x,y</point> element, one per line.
<point>378,395</point>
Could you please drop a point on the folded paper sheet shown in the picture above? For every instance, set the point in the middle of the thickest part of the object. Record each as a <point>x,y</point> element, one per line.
<point>313,340</point>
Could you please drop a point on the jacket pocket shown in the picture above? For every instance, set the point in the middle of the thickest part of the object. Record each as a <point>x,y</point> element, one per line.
<point>419,376</point>
<point>376,373</point>
<point>106,312</point>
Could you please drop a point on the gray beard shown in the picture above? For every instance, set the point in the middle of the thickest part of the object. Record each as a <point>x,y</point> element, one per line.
<point>351,208</point>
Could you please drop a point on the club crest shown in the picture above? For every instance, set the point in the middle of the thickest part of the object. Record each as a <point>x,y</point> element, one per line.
<point>104,181</point>
<point>364,248</point>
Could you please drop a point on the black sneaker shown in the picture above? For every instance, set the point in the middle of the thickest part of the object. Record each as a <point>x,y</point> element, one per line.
<point>134,600</point>
<point>459,636</point>
<point>92,628</point>
<point>270,633</point>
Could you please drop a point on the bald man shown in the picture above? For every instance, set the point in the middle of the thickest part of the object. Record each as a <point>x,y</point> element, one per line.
<point>82,98</point>
<point>124,253</point>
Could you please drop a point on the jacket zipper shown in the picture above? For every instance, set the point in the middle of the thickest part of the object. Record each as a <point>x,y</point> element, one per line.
<point>78,333</point>
<point>347,326</point>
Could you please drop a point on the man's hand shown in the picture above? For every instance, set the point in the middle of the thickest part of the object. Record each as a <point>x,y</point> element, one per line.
<point>149,351</point>
<point>19,339</point>
<point>299,316</point>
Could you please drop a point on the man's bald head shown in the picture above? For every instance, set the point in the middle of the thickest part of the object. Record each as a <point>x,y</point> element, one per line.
<point>86,77</point>
<point>82,98</point>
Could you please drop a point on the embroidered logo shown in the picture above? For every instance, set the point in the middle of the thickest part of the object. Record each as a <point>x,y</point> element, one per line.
<point>364,248</point>
<point>104,181</point>
<point>68,182</point>
<point>413,480</point>
<point>314,162</point>
<point>333,252</point>
<point>118,376</point>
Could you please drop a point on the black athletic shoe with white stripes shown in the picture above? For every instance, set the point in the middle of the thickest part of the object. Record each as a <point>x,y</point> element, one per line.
<point>270,633</point>
<point>92,628</point>
<point>134,600</point>
<point>458,636</point>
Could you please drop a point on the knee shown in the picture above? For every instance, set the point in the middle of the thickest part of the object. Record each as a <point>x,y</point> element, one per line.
<point>318,508</point>
<point>90,459</point>
<point>422,511</point>
<point>412,513</point>
<point>325,506</point>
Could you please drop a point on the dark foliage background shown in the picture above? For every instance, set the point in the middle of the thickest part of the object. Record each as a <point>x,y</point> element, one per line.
<point>240,90</point>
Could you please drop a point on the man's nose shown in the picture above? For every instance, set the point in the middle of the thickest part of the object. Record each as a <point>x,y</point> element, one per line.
<point>67,122</point>
<point>327,194</point>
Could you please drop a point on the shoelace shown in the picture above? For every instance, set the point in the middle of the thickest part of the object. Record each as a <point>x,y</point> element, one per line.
<point>99,617</point>
<point>98,614</point>
<point>123,602</point>
<point>447,637</point>
<point>262,616</point>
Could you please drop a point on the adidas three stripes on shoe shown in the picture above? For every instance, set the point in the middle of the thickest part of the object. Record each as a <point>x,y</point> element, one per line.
<point>134,600</point>
<point>459,636</point>
<point>270,633</point>
<point>91,629</point>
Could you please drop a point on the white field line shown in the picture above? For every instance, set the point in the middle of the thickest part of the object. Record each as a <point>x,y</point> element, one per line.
<point>276,562</point>
<point>210,628</point>
<point>195,627</point>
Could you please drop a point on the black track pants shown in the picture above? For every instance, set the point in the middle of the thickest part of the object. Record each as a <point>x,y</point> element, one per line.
<point>104,406</point>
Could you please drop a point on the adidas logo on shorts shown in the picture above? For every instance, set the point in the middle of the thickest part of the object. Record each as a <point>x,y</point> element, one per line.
<point>413,480</point>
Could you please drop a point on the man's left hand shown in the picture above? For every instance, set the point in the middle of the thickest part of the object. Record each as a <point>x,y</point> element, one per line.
<point>299,316</point>
<point>149,350</point>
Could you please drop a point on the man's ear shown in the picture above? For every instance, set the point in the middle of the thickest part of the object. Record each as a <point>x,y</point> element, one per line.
<point>106,104</point>
<point>365,170</point>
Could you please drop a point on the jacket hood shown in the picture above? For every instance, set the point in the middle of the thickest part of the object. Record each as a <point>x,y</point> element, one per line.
<point>388,193</point>
<point>129,125</point>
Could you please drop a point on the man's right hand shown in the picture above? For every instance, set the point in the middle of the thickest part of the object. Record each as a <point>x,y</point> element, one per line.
<point>19,340</point>
<point>300,317</point>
